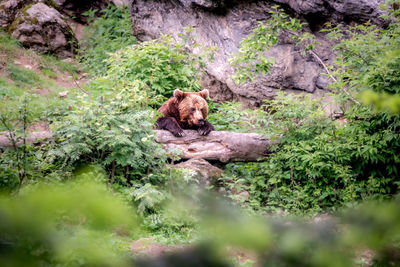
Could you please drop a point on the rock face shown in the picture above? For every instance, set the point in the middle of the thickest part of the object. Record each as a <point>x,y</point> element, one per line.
<point>223,24</point>
<point>319,11</point>
<point>44,25</point>
<point>8,10</point>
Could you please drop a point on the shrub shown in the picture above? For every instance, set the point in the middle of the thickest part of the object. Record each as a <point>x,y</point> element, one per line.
<point>160,66</point>
<point>320,164</point>
<point>231,116</point>
<point>18,161</point>
<point>368,62</point>
<point>323,164</point>
<point>111,131</point>
<point>105,35</point>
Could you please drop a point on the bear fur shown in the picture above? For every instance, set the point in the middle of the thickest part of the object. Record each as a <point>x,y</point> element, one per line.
<point>185,110</point>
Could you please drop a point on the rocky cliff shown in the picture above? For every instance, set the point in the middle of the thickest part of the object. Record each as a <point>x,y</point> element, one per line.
<point>223,24</point>
<point>45,25</point>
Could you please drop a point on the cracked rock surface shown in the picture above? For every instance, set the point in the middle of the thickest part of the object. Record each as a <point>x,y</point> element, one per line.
<point>224,23</point>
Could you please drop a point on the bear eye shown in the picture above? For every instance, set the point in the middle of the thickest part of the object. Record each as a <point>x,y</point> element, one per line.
<point>192,109</point>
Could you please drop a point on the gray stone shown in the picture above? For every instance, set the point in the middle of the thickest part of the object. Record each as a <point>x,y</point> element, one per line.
<point>44,29</point>
<point>323,81</point>
<point>205,173</point>
<point>8,11</point>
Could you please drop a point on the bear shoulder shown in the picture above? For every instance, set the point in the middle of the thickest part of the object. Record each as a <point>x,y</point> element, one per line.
<point>170,108</point>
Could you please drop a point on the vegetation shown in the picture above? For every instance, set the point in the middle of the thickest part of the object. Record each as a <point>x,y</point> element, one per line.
<point>60,223</point>
<point>105,35</point>
<point>102,182</point>
<point>26,73</point>
<point>111,132</point>
<point>159,66</point>
<point>322,163</point>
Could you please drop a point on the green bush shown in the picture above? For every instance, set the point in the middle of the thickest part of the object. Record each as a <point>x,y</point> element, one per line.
<point>320,164</point>
<point>19,161</point>
<point>160,66</point>
<point>105,35</point>
<point>112,131</point>
<point>231,116</point>
<point>368,62</point>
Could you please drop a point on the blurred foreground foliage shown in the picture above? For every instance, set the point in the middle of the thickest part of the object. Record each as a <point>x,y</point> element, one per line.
<point>78,223</point>
<point>84,223</point>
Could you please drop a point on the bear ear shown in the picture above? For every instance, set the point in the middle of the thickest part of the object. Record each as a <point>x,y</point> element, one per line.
<point>179,94</point>
<point>204,93</point>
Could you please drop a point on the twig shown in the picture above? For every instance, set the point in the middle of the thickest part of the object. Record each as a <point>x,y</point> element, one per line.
<point>76,83</point>
<point>329,73</point>
<point>331,76</point>
<point>323,64</point>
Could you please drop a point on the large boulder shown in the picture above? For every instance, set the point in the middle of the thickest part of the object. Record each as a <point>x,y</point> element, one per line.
<point>224,23</point>
<point>205,173</point>
<point>43,28</point>
<point>46,25</point>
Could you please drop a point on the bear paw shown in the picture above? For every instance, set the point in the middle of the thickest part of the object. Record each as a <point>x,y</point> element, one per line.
<point>178,133</point>
<point>204,130</point>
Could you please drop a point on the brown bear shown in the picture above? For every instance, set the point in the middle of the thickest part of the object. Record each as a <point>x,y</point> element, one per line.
<point>185,111</point>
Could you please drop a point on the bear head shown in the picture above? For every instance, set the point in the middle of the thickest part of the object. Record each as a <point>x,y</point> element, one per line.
<point>192,106</point>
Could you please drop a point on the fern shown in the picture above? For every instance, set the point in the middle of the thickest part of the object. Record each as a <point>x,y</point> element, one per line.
<point>148,198</point>
<point>110,132</point>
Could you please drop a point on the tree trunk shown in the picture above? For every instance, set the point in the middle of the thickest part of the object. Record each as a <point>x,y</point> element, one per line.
<point>218,145</point>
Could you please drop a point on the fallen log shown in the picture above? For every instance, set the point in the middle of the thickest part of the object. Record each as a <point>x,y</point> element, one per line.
<point>218,145</point>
